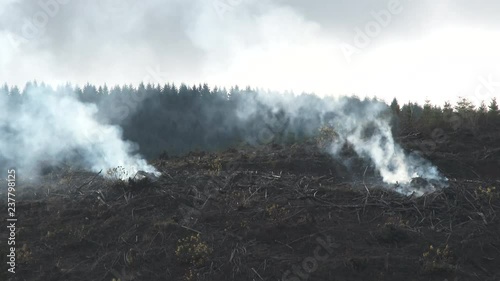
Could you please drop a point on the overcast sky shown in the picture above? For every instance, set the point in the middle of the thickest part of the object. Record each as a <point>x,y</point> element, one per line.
<point>409,49</point>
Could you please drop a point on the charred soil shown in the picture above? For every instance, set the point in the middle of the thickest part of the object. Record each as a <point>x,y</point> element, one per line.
<point>261,213</point>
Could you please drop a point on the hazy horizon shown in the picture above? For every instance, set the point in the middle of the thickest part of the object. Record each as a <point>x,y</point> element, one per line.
<point>411,50</point>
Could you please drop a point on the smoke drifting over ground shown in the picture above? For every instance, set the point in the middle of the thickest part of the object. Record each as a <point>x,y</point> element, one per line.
<point>43,128</point>
<point>49,127</point>
<point>363,125</point>
<point>367,129</point>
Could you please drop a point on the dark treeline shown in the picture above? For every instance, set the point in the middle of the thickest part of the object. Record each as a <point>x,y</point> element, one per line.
<point>462,116</point>
<point>179,119</point>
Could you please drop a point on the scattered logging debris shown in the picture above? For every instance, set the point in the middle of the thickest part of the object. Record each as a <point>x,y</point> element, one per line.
<point>255,214</point>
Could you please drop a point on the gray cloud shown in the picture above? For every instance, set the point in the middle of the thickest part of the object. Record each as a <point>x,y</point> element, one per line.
<point>117,41</point>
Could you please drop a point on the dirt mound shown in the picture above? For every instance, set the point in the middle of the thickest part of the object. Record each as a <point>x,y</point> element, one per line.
<point>267,213</point>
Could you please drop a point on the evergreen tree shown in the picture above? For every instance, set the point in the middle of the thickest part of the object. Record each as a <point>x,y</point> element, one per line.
<point>482,112</point>
<point>466,110</point>
<point>396,110</point>
<point>447,109</point>
<point>14,91</point>
<point>89,93</point>
<point>493,112</point>
<point>78,91</point>
<point>493,107</point>
<point>28,87</point>
<point>483,109</point>
<point>116,91</point>
<point>464,106</point>
<point>426,120</point>
<point>407,117</point>
<point>105,90</point>
<point>205,90</point>
<point>4,90</point>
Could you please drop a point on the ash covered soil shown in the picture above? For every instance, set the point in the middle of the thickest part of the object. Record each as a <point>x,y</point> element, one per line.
<point>262,213</point>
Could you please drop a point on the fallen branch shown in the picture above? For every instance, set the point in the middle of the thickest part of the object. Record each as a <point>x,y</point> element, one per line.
<point>90,181</point>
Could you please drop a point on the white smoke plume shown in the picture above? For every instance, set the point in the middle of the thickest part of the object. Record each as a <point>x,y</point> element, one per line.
<point>367,129</point>
<point>49,127</point>
<point>364,125</point>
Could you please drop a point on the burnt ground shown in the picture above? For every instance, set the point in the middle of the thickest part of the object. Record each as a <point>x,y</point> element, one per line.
<point>266,213</point>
